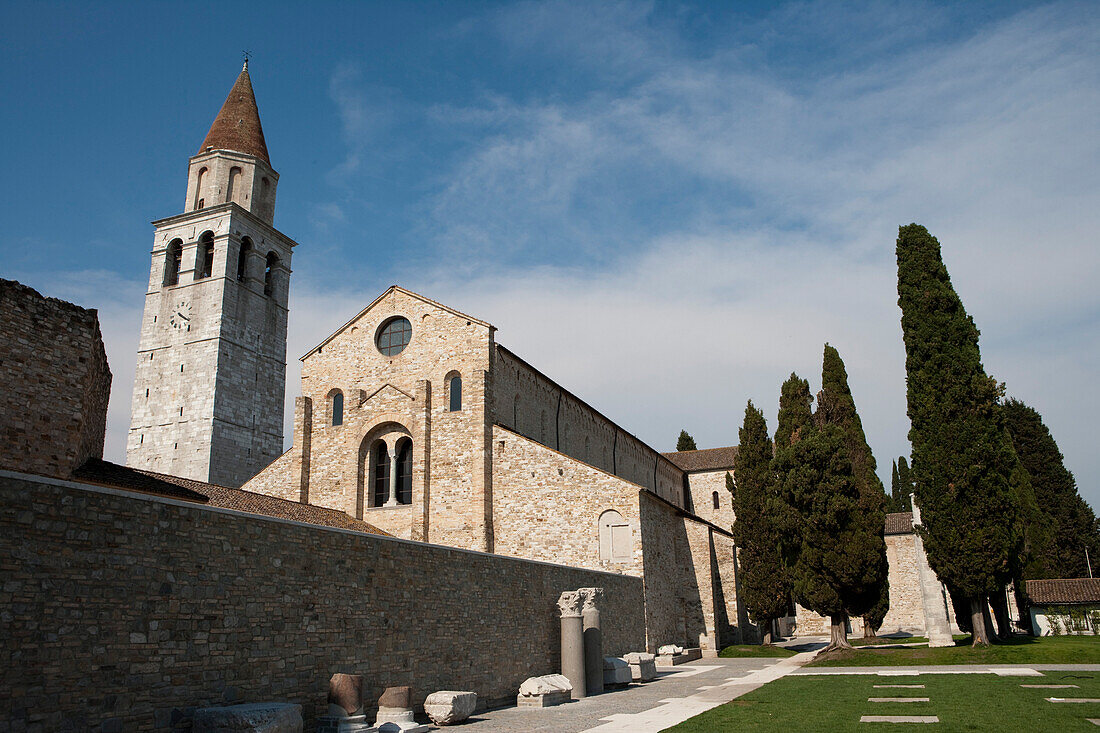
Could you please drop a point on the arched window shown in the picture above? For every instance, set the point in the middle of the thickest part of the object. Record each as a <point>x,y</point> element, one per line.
<point>205,264</point>
<point>338,410</point>
<point>200,182</point>
<point>172,262</point>
<point>616,538</point>
<point>454,389</point>
<point>714,498</point>
<point>269,273</point>
<point>381,491</point>
<point>404,471</point>
<point>234,183</point>
<point>242,259</point>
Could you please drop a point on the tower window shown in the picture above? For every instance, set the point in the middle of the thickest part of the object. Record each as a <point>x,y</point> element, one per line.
<point>242,259</point>
<point>172,262</point>
<point>234,183</point>
<point>394,336</point>
<point>714,498</point>
<point>269,273</point>
<point>200,181</point>
<point>454,387</point>
<point>338,408</point>
<point>205,264</point>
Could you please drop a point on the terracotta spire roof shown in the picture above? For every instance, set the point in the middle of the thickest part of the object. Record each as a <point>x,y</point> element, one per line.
<point>237,126</point>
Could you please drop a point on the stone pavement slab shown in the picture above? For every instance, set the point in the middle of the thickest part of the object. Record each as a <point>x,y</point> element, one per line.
<point>897,699</point>
<point>899,719</point>
<point>1002,669</point>
<point>677,694</point>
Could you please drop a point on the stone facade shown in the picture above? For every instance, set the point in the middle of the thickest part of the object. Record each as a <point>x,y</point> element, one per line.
<point>521,468</point>
<point>211,368</point>
<point>707,488</point>
<point>126,611</point>
<point>53,408</point>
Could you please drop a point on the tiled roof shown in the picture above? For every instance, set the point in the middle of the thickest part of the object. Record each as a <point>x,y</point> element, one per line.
<point>104,473</point>
<point>1064,590</point>
<point>708,459</point>
<point>900,523</point>
<point>237,126</point>
<point>113,475</point>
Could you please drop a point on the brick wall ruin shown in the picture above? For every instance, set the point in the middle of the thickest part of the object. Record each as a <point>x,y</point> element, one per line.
<point>53,407</point>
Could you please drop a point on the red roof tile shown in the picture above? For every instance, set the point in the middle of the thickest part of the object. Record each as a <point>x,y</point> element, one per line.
<point>899,523</point>
<point>104,473</point>
<point>1064,590</point>
<point>237,126</point>
<point>708,459</point>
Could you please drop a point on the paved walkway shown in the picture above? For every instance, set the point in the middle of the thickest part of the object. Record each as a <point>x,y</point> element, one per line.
<point>677,694</point>
<point>1007,670</point>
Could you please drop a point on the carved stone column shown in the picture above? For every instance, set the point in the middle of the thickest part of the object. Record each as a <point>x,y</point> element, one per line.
<point>593,639</point>
<point>392,501</point>
<point>572,641</point>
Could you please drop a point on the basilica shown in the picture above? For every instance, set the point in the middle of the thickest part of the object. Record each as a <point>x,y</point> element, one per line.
<point>414,418</point>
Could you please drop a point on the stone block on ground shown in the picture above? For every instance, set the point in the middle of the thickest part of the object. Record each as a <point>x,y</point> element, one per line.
<point>685,655</point>
<point>616,672</point>
<point>669,650</point>
<point>343,724</point>
<point>261,717</point>
<point>395,713</point>
<point>345,695</point>
<point>448,707</point>
<point>541,692</point>
<point>643,667</point>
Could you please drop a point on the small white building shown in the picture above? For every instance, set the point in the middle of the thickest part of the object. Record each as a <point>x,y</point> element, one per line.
<point>1064,606</point>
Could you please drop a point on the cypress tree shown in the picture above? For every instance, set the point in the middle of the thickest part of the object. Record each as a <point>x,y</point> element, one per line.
<point>1065,526</point>
<point>765,587</point>
<point>905,486</point>
<point>963,461</point>
<point>872,495</point>
<point>685,442</point>
<point>895,487</point>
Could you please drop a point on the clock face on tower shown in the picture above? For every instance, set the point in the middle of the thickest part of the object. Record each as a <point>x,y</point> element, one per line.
<point>181,317</point>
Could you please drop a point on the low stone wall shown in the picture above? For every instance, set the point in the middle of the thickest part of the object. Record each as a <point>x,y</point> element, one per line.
<point>125,612</point>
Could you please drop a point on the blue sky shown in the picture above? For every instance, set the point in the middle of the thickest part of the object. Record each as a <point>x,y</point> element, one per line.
<point>667,207</point>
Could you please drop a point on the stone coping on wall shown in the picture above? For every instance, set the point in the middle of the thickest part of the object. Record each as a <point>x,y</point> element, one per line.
<point>279,520</point>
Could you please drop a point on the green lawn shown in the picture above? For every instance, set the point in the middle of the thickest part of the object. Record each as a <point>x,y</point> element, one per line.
<point>879,640</point>
<point>1020,650</point>
<point>962,702</point>
<point>742,651</point>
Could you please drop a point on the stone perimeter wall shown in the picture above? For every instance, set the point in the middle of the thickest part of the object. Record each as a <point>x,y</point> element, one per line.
<point>125,612</point>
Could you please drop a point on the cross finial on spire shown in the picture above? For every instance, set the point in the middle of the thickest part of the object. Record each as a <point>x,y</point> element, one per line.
<point>247,55</point>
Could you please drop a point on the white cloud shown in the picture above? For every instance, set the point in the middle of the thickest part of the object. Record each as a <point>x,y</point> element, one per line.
<point>678,245</point>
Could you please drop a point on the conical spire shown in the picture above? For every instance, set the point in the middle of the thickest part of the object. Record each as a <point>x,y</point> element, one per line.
<point>237,126</point>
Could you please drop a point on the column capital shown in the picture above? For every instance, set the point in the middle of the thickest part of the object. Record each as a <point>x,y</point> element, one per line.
<point>570,602</point>
<point>591,597</point>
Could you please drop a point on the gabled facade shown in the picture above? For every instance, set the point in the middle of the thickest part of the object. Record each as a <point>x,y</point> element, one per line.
<point>415,420</point>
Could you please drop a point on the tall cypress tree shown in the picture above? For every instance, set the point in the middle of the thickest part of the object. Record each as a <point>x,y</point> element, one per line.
<point>685,442</point>
<point>963,462</point>
<point>872,495</point>
<point>905,487</point>
<point>895,487</point>
<point>765,586</point>
<point>1066,526</point>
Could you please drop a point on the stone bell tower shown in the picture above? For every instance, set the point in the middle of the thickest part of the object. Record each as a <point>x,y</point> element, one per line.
<point>211,369</point>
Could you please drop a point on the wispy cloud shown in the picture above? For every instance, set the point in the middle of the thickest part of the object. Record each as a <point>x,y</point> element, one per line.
<point>689,224</point>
